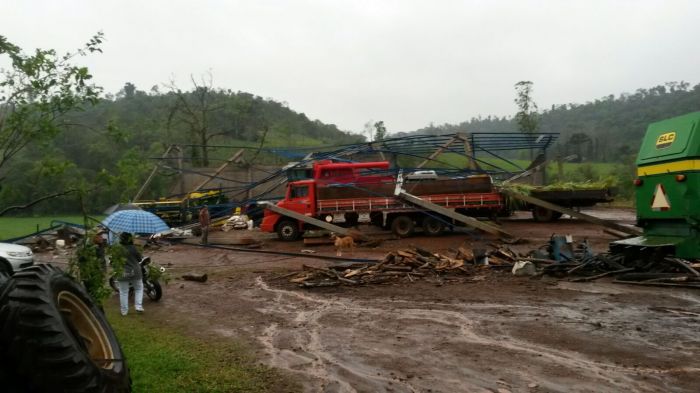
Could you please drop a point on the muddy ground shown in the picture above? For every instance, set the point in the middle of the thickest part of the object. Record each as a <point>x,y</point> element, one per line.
<point>490,333</point>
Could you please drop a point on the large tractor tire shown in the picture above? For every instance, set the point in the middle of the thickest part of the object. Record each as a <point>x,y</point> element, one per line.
<point>53,338</point>
<point>5,274</point>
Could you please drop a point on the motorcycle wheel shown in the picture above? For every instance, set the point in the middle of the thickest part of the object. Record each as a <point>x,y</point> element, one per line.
<point>153,290</point>
<point>54,338</point>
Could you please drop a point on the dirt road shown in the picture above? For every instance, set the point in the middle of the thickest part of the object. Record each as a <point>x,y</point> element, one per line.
<point>493,333</point>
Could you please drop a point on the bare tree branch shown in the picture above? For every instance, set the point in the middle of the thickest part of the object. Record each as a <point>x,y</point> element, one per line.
<point>34,202</point>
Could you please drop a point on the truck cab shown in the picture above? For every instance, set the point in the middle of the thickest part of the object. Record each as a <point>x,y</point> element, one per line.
<point>301,195</point>
<point>300,198</point>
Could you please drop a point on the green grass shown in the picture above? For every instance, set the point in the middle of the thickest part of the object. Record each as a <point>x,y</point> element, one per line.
<point>11,227</point>
<point>163,360</point>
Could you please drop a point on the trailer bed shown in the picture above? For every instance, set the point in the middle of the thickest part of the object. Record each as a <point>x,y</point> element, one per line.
<point>574,198</point>
<point>489,200</point>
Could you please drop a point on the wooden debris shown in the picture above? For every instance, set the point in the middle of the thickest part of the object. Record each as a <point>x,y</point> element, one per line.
<point>406,265</point>
<point>198,277</point>
<point>465,254</point>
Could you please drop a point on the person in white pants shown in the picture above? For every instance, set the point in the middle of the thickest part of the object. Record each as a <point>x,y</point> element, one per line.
<point>131,277</point>
<point>124,295</point>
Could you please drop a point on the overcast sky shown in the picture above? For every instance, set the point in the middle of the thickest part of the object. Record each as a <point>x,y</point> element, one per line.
<point>408,63</point>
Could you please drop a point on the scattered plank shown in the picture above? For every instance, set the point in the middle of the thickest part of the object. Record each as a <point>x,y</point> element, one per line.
<point>597,276</point>
<point>198,277</point>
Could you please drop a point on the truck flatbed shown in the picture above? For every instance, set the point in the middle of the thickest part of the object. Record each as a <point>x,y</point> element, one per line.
<point>490,200</point>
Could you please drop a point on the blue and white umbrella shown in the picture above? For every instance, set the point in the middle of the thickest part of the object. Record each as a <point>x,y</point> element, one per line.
<point>134,221</point>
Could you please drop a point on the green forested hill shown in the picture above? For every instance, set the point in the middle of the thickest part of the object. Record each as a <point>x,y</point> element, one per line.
<point>608,129</point>
<point>109,147</point>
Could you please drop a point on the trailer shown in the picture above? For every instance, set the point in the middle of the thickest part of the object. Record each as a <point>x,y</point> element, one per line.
<point>572,199</point>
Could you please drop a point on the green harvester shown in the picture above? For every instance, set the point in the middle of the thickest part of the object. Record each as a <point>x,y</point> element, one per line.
<point>668,190</point>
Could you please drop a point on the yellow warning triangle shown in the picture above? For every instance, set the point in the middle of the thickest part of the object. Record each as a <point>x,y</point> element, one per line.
<point>660,201</point>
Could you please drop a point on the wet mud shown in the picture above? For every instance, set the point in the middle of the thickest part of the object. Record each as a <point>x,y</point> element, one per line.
<point>494,333</point>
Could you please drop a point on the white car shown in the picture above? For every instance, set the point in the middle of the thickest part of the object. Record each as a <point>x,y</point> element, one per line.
<point>422,175</point>
<point>14,257</point>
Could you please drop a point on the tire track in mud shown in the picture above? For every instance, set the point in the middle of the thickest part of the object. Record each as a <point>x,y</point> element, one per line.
<point>314,360</point>
<point>317,349</point>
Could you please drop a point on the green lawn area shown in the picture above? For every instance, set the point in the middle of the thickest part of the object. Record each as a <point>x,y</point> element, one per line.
<point>163,360</point>
<point>11,227</point>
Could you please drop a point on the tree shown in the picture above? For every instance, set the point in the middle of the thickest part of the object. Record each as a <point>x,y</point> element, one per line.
<point>129,90</point>
<point>195,109</point>
<point>380,131</point>
<point>577,141</point>
<point>37,91</point>
<point>527,117</point>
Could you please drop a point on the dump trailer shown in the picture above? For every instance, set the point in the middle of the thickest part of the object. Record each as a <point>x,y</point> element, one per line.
<point>668,191</point>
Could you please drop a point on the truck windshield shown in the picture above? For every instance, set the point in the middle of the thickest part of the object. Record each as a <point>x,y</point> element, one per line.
<point>300,192</point>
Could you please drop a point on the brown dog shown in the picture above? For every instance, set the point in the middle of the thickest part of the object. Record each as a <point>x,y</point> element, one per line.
<point>343,243</point>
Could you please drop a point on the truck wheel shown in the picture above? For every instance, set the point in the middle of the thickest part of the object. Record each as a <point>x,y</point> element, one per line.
<point>53,335</point>
<point>542,214</point>
<point>288,230</point>
<point>402,226</point>
<point>432,226</point>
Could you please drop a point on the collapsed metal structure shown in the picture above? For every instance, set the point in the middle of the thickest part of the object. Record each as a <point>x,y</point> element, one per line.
<point>450,155</point>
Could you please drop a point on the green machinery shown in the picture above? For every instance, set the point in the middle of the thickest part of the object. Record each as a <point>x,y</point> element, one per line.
<point>668,190</point>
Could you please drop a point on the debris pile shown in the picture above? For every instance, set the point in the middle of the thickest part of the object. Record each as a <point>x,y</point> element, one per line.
<point>405,265</point>
<point>663,271</point>
<point>563,259</point>
<point>60,234</point>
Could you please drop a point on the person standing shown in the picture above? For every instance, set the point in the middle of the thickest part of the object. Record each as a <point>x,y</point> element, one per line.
<point>100,242</point>
<point>131,276</point>
<point>204,222</point>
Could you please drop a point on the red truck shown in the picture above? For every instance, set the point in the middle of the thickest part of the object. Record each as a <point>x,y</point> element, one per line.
<point>352,192</point>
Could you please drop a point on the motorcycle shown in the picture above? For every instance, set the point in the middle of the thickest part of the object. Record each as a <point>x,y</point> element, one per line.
<point>151,287</point>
